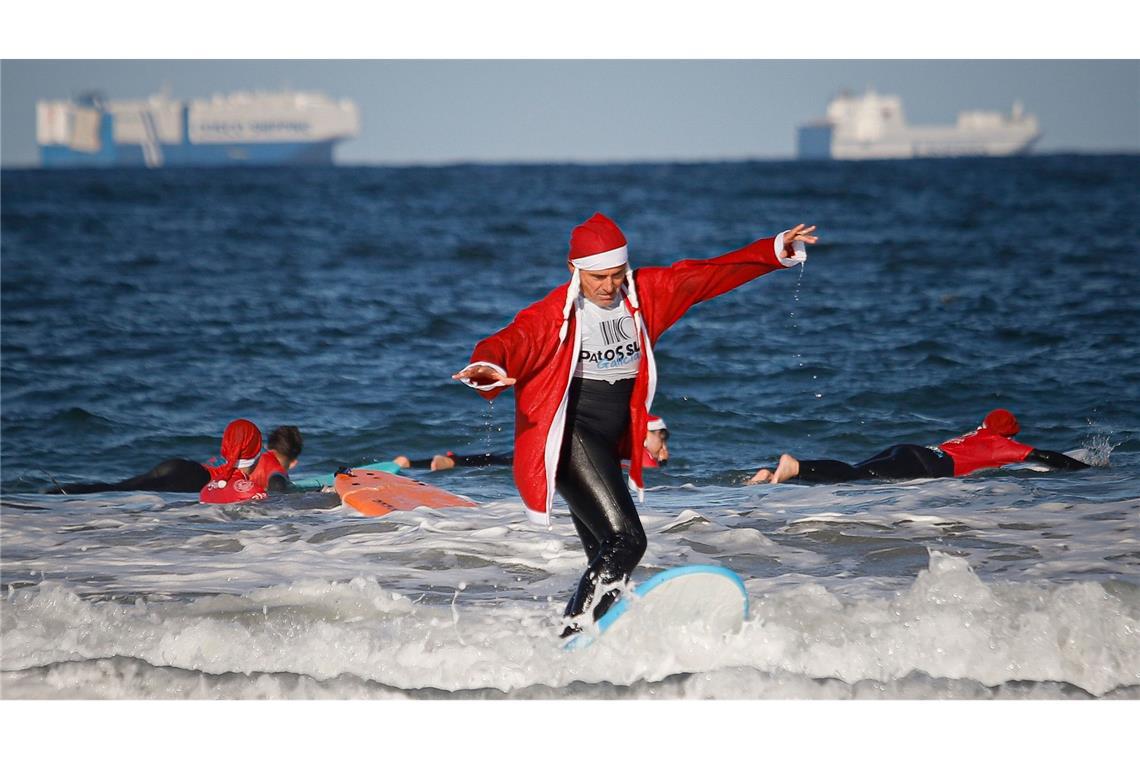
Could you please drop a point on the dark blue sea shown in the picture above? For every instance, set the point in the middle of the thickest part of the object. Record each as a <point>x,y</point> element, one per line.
<point>142,310</point>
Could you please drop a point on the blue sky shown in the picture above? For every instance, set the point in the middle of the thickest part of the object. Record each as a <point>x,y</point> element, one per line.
<point>723,101</point>
<point>520,110</point>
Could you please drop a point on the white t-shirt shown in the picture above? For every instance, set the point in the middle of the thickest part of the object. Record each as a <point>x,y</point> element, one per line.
<point>611,348</point>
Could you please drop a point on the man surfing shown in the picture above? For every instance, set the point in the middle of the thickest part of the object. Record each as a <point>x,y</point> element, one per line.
<point>581,362</point>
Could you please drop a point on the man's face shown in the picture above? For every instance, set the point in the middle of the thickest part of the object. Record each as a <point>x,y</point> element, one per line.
<point>603,286</point>
<point>655,444</point>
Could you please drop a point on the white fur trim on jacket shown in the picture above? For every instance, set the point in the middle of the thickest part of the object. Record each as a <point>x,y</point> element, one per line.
<point>647,351</point>
<point>571,296</point>
<point>553,446</point>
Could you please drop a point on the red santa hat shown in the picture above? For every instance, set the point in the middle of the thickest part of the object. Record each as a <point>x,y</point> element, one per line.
<point>655,423</point>
<point>597,244</point>
<point>241,445</point>
<point>1002,422</point>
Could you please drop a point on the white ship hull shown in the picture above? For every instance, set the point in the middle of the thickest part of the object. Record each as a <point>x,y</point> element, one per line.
<point>241,128</point>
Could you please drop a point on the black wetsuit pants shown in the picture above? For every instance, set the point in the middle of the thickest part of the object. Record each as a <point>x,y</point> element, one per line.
<point>176,475</point>
<point>591,480</point>
<point>901,462</point>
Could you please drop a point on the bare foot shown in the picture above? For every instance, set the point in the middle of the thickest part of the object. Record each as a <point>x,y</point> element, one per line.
<point>441,462</point>
<point>788,468</point>
<point>403,462</point>
<point>761,476</point>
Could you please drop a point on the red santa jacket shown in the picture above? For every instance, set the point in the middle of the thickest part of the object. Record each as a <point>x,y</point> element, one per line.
<point>983,448</point>
<point>237,488</point>
<point>528,349</point>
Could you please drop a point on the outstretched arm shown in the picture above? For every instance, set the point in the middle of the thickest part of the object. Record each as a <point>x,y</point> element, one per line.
<point>451,459</point>
<point>479,460</point>
<point>671,291</point>
<point>1056,460</point>
<point>511,354</point>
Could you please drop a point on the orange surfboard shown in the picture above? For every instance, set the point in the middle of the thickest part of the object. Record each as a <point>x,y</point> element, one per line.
<point>376,493</point>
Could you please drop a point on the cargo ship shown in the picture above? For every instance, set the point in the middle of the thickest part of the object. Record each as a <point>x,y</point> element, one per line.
<point>872,126</point>
<point>241,128</point>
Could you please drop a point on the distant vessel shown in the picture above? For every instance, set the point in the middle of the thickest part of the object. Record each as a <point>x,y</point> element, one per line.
<point>239,128</point>
<point>873,126</point>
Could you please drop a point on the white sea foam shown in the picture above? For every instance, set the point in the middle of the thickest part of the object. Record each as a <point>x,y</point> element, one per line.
<point>974,588</point>
<point>947,634</point>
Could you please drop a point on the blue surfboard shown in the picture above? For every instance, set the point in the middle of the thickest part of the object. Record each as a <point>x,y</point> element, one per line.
<point>709,596</point>
<point>326,481</point>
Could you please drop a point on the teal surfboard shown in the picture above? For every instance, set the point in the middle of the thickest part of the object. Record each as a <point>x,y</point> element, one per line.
<point>704,597</point>
<point>326,481</point>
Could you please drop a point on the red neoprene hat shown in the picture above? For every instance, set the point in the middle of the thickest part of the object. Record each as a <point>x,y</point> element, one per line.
<point>1002,422</point>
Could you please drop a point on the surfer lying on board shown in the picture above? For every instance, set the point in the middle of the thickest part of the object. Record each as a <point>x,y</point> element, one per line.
<point>271,474</point>
<point>581,362</point>
<point>990,445</point>
<point>241,445</point>
<point>654,454</point>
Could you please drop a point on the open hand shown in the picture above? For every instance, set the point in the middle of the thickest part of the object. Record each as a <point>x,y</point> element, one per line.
<point>482,375</point>
<point>801,233</point>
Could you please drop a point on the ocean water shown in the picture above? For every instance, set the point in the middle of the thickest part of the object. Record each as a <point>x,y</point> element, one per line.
<point>142,310</point>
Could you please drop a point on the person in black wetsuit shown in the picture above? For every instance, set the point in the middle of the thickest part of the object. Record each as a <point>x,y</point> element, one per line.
<point>271,474</point>
<point>184,475</point>
<point>655,453</point>
<point>451,459</point>
<point>990,445</point>
<point>173,475</point>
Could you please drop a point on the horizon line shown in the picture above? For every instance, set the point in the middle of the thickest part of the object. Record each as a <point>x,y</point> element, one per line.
<point>449,162</point>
